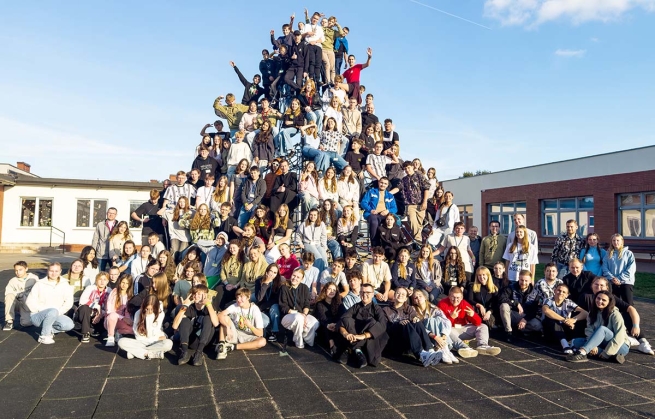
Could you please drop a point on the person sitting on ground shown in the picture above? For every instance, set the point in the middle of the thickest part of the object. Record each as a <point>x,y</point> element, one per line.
<point>196,321</point>
<point>16,293</point>
<point>438,327</point>
<point>328,312</point>
<point>466,323</point>
<point>630,315</point>
<point>294,306</point>
<point>48,302</point>
<point>267,294</point>
<point>92,307</point>
<point>483,295</point>
<point>428,274</point>
<point>377,273</point>
<point>159,287</point>
<point>619,268</point>
<point>560,318</point>
<point>241,326</point>
<point>518,306</point>
<point>407,332</point>
<point>605,332</point>
<point>150,341</point>
<point>118,321</point>
<point>363,330</point>
<point>335,275</point>
<point>287,261</point>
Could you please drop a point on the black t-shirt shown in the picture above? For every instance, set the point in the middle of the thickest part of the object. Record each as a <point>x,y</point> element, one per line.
<point>389,142</point>
<point>226,227</point>
<point>222,135</point>
<point>193,313</point>
<point>355,160</point>
<point>206,167</point>
<point>153,224</point>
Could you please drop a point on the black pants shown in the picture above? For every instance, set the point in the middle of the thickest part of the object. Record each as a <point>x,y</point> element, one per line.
<point>372,348</point>
<point>315,62</point>
<point>188,332</point>
<point>412,337</point>
<point>554,331</point>
<point>624,292</point>
<point>224,296</point>
<point>293,77</point>
<point>85,315</point>
<point>374,221</point>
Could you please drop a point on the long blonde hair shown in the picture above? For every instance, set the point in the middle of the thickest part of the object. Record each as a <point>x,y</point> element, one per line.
<point>352,220</point>
<point>332,186</point>
<point>491,287</point>
<point>619,249</point>
<point>282,221</point>
<point>402,269</point>
<point>176,213</point>
<point>525,242</point>
<point>221,195</point>
<point>200,222</point>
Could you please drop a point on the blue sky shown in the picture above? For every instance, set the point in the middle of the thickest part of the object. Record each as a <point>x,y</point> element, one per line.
<point>120,90</point>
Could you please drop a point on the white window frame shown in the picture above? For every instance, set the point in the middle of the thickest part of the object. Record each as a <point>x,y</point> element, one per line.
<point>92,202</point>
<point>37,202</point>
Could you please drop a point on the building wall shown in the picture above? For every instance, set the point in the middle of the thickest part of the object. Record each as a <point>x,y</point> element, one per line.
<point>64,212</point>
<point>469,191</point>
<point>604,190</point>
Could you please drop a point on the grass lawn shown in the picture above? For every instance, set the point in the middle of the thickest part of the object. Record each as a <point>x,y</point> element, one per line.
<point>644,283</point>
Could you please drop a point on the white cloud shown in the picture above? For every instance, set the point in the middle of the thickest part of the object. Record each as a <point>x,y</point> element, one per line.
<point>532,13</point>
<point>570,52</point>
<point>594,39</point>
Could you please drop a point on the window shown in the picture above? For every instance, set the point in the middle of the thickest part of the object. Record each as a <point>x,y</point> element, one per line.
<point>36,212</point>
<point>556,212</point>
<point>133,207</point>
<point>90,212</point>
<point>637,215</point>
<point>503,214</point>
<point>466,215</point>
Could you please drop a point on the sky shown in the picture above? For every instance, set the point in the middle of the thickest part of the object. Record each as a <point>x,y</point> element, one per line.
<point>120,90</point>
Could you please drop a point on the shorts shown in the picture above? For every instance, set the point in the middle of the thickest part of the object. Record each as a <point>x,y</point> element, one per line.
<point>239,336</point>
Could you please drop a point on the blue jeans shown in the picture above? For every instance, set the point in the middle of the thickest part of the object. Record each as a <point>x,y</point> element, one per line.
<point>286,140</point>
<point>562,270</point>
<point>320,255</point>
<point>599,340</point>
<point>333,158</point>
<point>321,160</point>
<point>244,216</point>
<point>335,249</point>
<point>273,318</point>
<point>49,320</point>
<point>316,116</point>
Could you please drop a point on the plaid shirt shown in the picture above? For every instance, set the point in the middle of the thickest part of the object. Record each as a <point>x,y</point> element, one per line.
<point>413,188</point>
<point>567,248</point>
<point>564,310</point>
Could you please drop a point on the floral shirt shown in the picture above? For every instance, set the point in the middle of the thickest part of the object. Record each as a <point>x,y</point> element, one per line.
<point>331,140</point>
<point>567,248</point>
<point>413,188</point>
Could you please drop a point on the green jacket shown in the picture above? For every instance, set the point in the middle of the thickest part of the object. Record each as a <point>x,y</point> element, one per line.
<point>232,113</point>
<point>616,325</point>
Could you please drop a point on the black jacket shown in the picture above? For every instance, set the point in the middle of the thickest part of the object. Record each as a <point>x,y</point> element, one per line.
<point>265,295</point>
<point>513,296</point>
<point>302,56</point>
<point>391,237</point>
<point>206,167</point>
<point>578,286</point>
<point>291,299</point>
<point>268,68</point>
<point>252,91</point>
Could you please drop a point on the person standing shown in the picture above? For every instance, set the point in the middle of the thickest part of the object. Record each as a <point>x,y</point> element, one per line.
<point>567,247</point>
<point>492,247</point>
<point>415,188</point>
<point>476,242</point>
<point>101,236</point>
<point>341,49</point>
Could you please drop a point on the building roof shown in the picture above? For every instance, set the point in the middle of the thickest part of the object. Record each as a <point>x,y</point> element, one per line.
<point>7,180</point>
<point>84,183</point>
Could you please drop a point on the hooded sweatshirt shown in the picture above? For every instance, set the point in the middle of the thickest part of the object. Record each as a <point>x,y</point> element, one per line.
<point>47,294</point>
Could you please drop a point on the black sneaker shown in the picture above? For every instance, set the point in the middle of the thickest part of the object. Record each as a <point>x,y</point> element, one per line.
<point>198,359</point>
<point>577,357</point>
<point>184,358</point>
<point>86,338</point>
<point>272,337</point>
<point>8,325</point>
<point>94,334</point>
<point>361,358</point>
<point>507,337</point>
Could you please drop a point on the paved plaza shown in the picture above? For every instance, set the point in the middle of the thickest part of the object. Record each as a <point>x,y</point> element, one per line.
<point>74,380</point>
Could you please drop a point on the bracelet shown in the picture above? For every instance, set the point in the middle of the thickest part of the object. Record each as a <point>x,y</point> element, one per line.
<point>636,325</point>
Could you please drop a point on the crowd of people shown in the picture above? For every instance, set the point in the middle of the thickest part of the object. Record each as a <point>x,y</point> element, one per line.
<point>268,238</point>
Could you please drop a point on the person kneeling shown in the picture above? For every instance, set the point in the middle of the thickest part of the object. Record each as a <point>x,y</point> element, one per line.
<point>241,326</point>
<point>363,330</point>
<point>150,341</point>
<point>196,320</point>
<point>605,330</point>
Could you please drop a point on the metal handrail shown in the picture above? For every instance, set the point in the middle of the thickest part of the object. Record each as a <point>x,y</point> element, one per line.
<point>63,243</point>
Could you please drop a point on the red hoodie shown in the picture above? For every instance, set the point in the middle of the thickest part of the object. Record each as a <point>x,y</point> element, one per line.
<point>287,266</point>
<point>462,319</point>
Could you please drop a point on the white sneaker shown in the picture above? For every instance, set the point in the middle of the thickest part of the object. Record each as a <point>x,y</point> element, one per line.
<point>488,350</point>
<point>467,352</point>
<point>632,341</point>
<point>436,357</point>
<point>445,357</point>
<point>130,356</point>
<point>110,341</point>
<point>644,347</point>
<point>452,356</point>
<point>155,355</point>
<point>46,340</point>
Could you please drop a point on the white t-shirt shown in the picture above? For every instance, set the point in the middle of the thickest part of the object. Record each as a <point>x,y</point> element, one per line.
<point>464,245</point>
<point>326,278</point>
<point>375,275</point>
<point>534,244</point>
<point>204,195</point>
<point>518,261</point>
<point>311,276</point>
<point>238,314</point>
